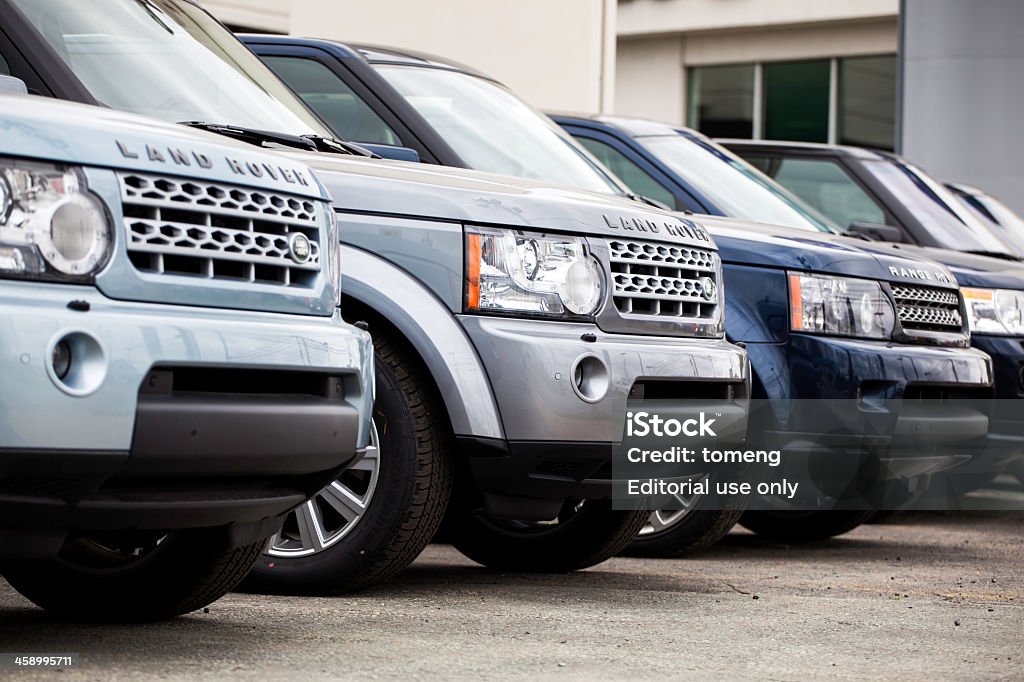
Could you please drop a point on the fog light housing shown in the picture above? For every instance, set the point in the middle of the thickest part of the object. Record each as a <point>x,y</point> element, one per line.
<point>77,363</point>
<point>591,378</point>
<point>61,359</point>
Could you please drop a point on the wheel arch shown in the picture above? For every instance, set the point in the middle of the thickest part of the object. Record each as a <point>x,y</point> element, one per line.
<point>395,298</point>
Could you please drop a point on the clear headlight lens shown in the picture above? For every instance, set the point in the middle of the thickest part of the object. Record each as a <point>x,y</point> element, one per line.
<point>995,311</point>
<point>513,272</point>
<point>51,226</point>
<point>840,306</point>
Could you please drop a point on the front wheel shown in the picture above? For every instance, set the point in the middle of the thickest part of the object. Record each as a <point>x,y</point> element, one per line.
<point>375,519</point>
<point>679,532</point>
<point>134,577</point>
<point>585,533</point>
<point>687,529</point>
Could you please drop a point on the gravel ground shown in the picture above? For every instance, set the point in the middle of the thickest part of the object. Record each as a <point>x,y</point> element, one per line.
<point>923,596</point>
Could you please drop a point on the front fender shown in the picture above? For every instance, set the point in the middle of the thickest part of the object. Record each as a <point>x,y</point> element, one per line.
<point>429,326</point>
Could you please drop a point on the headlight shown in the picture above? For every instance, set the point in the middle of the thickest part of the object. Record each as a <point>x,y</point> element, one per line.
<point>840,306</point>
<point>51,226</point>
<point>995,311</point>
<point>523,273</point>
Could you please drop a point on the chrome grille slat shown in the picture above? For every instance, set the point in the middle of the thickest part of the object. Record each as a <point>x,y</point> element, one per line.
<point>652,279</point>
<point>182,227</point>
<point>928,308</point>
<point>252,247</point>
<point>300,218</point>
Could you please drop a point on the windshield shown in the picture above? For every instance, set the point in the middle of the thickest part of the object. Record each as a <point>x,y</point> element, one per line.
<point>492,130</point>
<point>1007,224</point>
<point>736,187</point>
<point>169,60</point>
<point>947,221</point>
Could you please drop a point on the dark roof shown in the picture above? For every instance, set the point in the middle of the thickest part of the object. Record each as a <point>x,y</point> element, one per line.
<point>380,54</point>
<point>632,126</point>
<point>834,149</point>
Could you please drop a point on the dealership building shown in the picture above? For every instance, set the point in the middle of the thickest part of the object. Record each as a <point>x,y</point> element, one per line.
<point>914,76</point>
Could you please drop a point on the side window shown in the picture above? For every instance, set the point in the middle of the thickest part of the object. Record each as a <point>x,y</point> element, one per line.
<point>331,98</point>
<point>825,185</point>
<point>635,177</point>
<point>5,68</point>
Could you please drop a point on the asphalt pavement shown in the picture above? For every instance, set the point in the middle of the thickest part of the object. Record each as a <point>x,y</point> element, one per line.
<point>924,596</point>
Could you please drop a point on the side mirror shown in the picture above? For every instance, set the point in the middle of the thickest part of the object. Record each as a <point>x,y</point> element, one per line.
<point>387,151</point>
<point>9,85</point>
<point>876,231</point>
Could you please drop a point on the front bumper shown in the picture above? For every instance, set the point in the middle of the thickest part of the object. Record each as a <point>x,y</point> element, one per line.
<point>869,407</point>
<point>560,422</point>
<point>175,416</point>
<point>1006,432</point>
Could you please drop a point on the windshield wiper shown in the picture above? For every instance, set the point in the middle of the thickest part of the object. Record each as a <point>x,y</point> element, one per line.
<point>651,202</point>
<point>263,137</point>
<point>330,144</point>
<point>854,235</point>
<point>995,254</point>
<point>316,143</point>
<point>253,136</point>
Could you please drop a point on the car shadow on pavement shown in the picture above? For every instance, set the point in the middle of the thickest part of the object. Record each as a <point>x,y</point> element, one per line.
<point>29,629</point>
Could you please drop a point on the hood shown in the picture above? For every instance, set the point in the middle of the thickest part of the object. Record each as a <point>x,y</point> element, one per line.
<point>748,243</point>
<point>969,269</point>
<point>361,185</point>
<point>51,130</point>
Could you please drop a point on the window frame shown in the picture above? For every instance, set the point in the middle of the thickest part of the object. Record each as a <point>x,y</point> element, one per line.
<point>342,70</point>
<point>891,219</point>
<point>685,200</point>
<point>402,141</point>
<point>887,216</point>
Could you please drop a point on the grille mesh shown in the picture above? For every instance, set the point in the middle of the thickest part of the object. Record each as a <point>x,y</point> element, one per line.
<point>665,281</point>
<point>928,308</point>
<point>218,231</point>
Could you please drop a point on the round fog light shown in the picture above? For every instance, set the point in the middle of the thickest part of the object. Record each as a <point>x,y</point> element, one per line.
<point>61,359</point>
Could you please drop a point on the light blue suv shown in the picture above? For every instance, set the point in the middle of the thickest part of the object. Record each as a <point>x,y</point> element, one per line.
<point>175,375</point>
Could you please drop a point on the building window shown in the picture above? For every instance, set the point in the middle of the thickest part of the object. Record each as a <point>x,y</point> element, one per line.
<point>849,100</point>
<point>722,100</point>
<point>867,101</point>
<point>796,100</point>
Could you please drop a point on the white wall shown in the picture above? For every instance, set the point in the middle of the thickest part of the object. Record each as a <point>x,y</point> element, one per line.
<point>650,79</point>
<point>650,17</point>
<point>963,104</point>
<point>557,54</point>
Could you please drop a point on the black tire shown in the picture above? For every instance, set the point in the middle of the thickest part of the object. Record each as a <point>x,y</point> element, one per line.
<point>95,578</point>
<point>803,527</point>
<point>1017,469</point>
<point>586,533</point>
<point>693,532</point>
<point>412,490</point>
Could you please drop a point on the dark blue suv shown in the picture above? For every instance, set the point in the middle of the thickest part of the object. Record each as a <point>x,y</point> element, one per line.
<point>874,195</point>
